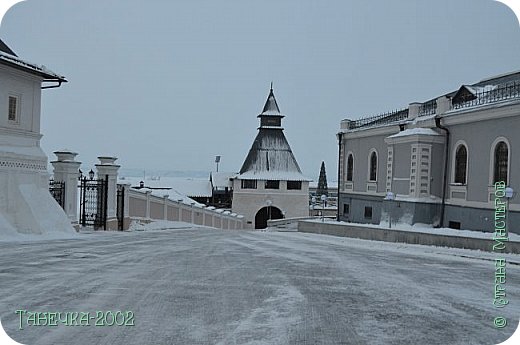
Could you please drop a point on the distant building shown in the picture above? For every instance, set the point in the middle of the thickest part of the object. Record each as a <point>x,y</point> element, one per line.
<point>270,184</point>
<point>440,159</point>
<point>222,189</point>
<point>26,206</point>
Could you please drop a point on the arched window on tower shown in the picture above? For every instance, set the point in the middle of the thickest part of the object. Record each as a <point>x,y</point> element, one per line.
<point>350,167</point>
<point>501,163</point>
<point>373,166</point>
<point>461,164</point>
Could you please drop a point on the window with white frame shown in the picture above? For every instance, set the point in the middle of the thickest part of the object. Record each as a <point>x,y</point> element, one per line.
<point>13,109</point>
<point>373,167</point>
<point>350,167</point>
<point>501,162</point>
<point>461,164</point>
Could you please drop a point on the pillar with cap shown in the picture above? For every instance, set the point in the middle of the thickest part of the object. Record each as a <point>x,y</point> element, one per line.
<point>107,167</point>
<point>66,169</point>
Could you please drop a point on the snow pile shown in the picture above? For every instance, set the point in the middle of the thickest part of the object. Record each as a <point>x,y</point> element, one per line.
<point>414,131</point>
<point>142,224</point>
<point>429,229</point>
<point>36,217</point>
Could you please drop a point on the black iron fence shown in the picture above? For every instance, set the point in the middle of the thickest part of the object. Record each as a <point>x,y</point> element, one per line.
<point>381,119</point>
<point>490,95</point>
<point>120,210</point>
<point>93,202</point>
<point>428,108</point>
<point>57,190</point>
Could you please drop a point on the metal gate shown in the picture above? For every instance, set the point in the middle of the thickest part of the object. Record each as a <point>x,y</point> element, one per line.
<point>120,210</point>
<point>93,202</point>
<point>57,189</point>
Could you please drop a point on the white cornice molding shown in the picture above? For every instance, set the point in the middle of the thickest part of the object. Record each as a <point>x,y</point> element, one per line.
<point>483,113</point>
<point>417,138</point>
<point>10,131</point>
<point>370,132</point>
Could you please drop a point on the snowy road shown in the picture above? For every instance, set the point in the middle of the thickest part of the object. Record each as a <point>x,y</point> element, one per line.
<point>206,286</point>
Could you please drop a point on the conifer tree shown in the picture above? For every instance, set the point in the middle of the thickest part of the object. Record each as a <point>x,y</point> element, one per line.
<point>322,182</point>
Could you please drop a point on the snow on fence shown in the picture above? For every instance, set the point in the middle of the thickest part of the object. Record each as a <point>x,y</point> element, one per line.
<point>143,204</point>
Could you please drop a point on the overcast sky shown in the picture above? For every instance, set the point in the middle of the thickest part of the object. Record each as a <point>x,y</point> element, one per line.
<point>170,84</point>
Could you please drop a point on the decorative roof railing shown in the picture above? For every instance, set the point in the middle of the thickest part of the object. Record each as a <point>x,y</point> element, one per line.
<point>428,108</point>
<point>488,96</point>
<point>381,119</point>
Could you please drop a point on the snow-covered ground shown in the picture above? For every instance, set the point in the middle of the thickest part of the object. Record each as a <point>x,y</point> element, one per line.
<point>207,286</point>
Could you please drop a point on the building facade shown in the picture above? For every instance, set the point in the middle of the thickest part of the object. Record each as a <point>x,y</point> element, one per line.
<point>26,206</point>
<point>440,159</point>
<point>270,184</point>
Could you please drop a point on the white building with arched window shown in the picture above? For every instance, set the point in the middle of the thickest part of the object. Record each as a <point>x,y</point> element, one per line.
<point>441,158</point>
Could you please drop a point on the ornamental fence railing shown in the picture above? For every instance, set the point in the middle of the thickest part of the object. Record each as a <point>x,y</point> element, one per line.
<point>488,96</point>
<point>381,119</point>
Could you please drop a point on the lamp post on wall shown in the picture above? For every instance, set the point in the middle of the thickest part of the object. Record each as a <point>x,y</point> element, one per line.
<point>269,203</point>
<point>391,197</point>
<point>313,201</point>
<point>324,202</point>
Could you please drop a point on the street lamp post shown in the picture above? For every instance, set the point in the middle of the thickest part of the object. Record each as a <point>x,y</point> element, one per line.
<point>391,197</point>
<point>313,201</point>
<point>269,203</point>
<point>217,160</point>
<point>323,201</point>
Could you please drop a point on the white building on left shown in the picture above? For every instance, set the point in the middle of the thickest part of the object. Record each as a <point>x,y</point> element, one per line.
<point>26,206</point>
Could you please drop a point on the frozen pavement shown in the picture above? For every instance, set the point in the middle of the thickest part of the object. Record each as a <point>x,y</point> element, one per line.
<point>206,286</point>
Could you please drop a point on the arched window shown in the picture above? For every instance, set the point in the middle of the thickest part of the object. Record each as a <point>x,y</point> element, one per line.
<point>350,167</point>
<point>373,166</point>
<point>501,163</point>
<point>461,164</point>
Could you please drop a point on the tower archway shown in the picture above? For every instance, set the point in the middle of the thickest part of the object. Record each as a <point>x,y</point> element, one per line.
<point>266,213</point>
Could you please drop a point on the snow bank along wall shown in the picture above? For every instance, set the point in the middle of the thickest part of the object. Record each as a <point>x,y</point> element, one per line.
<point>376,234</point>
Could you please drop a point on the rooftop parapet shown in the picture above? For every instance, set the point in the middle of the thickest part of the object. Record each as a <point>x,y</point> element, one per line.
<point>377,120</point>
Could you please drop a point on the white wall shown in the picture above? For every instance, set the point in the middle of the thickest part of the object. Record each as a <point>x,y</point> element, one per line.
<point>247,202</point>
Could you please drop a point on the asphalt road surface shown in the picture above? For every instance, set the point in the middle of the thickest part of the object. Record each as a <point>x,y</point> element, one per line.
<point>206,286</point>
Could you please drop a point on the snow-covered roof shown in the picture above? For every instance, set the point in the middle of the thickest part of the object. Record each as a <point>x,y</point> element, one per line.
<point>330,185</point>
<point>8,57</point>
<point>221,179</point>
<point>273,175</point>
<point>270,156</point>
<point>414,131</point>
<point>191,187</point>
<point>172,195</point>
<point>270,152</point>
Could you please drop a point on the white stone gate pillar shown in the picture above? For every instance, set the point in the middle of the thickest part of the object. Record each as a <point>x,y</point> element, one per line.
<point>66,170</point>
<point>104,168</point>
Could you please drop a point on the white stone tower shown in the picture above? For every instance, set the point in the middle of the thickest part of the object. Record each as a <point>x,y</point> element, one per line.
<point>270,184</point>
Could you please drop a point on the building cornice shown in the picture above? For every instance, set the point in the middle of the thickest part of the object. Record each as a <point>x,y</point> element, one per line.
<point>417,138</point>
<point>483,113</point>
<point>369,132</point>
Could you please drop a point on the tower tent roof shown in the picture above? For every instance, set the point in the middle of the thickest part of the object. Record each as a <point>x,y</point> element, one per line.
<point>271,106</point>
<point>270,156</point>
